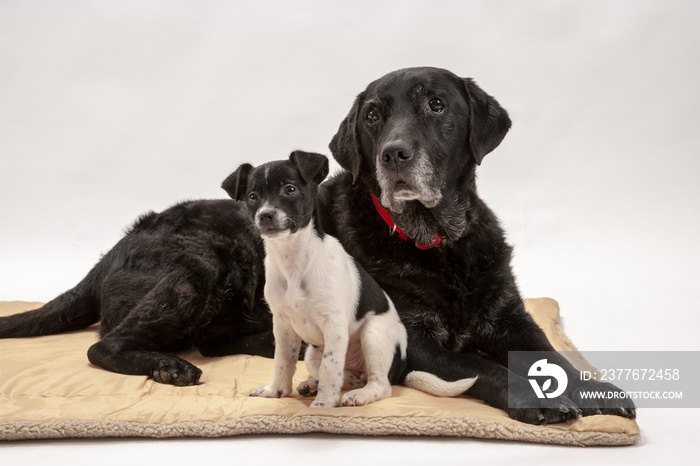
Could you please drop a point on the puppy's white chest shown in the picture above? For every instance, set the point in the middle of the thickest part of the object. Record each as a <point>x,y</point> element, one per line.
<point>280,292</point>
<point>305,325</point>
<point>301,314</point>
<point>312,286</point>
<point>294,303</point>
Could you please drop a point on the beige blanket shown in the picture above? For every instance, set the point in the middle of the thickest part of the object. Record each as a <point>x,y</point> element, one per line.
<point>49,390</point>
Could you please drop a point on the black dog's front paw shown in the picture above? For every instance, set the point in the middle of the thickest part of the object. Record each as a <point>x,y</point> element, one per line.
<point>595,397</point>
<point>175,371</point>
<point>523,405</point>
<point>550,411</point>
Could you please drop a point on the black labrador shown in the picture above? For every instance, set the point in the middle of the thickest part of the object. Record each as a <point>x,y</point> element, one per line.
<point>407,209</point>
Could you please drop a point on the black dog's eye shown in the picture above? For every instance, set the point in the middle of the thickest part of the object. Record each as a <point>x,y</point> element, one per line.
<point>436,105</point>
<point>372,116</point>
<point>289,189</point>
<point>253,198</point>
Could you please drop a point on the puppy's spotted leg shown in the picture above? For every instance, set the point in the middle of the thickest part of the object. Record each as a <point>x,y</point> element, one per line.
<point>287,345</point>
<point>381,337</point>
<point>312,360</point>
<point>351,379</point>
<point>332,367</point>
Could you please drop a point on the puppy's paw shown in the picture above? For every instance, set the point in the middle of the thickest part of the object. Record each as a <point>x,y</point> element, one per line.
<point>364,396</point>
<point>268,391</point>
<point>308,387</point>
<point>355,399</point>
<point>325,402</point>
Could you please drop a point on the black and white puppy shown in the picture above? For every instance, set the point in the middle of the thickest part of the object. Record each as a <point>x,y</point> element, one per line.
<point>319,294</point>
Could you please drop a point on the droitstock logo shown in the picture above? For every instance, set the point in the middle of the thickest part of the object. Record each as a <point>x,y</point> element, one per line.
<point>546,372</point>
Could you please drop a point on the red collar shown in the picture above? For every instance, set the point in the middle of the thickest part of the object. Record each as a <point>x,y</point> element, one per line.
<point>386,215</point>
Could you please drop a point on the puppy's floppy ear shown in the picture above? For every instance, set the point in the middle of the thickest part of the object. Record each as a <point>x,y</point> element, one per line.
<point>488,121</point>
<point>345,145</point>
<point>312,167</point>
<point>236,184</point>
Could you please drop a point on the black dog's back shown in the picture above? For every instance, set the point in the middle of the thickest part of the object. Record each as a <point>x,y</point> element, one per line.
<point>191,274</point>
<point>143,247</point>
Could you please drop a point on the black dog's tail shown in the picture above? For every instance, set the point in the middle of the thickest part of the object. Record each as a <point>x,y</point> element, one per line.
<point>75,309</point>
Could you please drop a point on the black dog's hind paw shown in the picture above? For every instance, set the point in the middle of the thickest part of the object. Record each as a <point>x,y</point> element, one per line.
<point>175,371</point>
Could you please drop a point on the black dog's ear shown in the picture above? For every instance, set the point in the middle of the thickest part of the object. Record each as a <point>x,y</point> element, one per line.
<point>312,167</point>
<point>345,145</point>
<point>488,121</point>
<point>236,184</point>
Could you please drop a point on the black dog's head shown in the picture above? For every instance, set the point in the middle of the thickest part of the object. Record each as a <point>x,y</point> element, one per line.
<point>415,132</point>
<point>280,196</point>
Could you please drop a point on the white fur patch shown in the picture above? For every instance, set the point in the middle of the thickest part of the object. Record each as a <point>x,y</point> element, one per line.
<point>433,384</point>
<point>280,221</point>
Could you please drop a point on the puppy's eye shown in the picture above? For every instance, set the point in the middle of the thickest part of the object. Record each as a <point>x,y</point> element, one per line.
<point>253,198</point>
<point>436,105</point>
<point>290,190</point>
<point>372,116</point>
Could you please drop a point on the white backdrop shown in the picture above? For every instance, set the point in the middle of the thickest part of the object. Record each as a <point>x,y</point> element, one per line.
<point>110,109</point>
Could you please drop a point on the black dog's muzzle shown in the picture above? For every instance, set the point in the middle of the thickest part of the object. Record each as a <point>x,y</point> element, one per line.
<point>396,154</point>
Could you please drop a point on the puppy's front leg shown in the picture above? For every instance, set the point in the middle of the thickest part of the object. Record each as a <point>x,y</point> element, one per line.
<point>330,373</point>
<point>287,345</point>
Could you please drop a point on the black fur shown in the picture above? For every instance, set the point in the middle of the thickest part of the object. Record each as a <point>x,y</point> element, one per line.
<point>191,275</point>
<point>397,372</point>
<point>372,298</point>
<point>461,297</point>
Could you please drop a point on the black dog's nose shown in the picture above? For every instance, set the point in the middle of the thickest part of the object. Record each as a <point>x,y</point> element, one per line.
<point>396,152</point>
<point>266,217</point>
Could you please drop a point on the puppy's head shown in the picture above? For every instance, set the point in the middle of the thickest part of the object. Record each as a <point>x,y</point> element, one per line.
<point>416,131</point>
<point>280,196</point>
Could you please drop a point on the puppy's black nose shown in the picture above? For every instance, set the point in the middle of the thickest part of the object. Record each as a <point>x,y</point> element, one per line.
<point>266,217</point>
<point>396,153</point>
